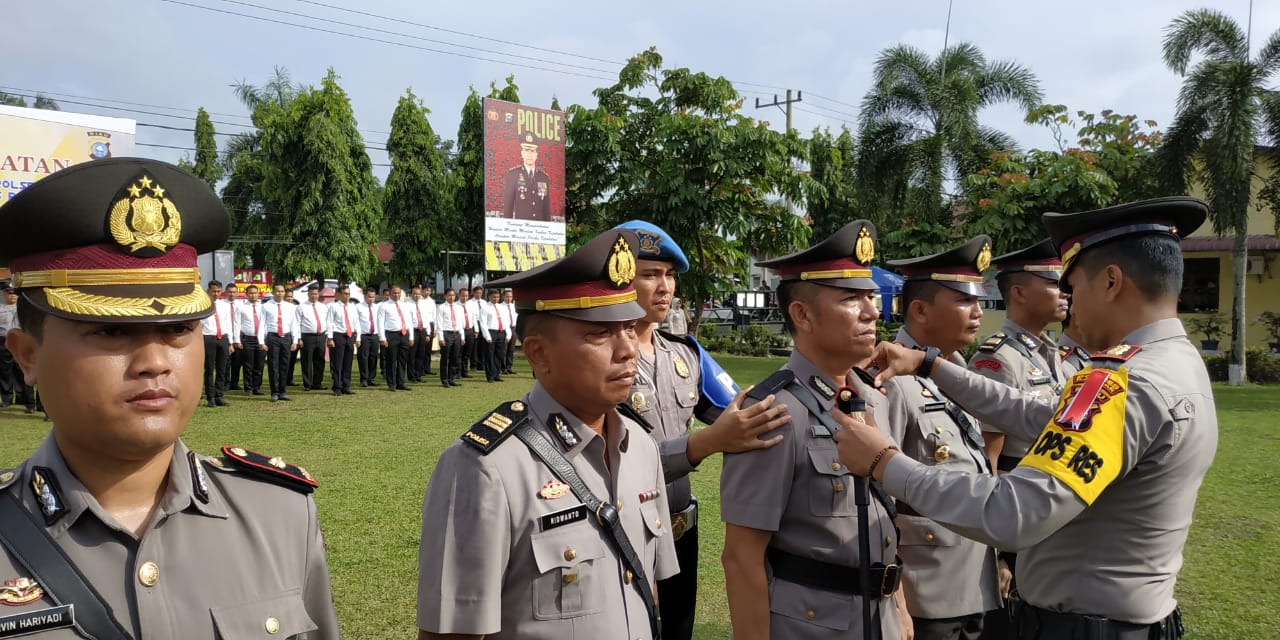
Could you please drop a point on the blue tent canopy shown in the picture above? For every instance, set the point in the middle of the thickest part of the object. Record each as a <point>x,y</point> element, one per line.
<point>890,282</point>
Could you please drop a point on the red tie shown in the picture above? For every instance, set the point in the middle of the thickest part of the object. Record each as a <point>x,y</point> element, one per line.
<point>400,312</point>
<point>453,317</point>
<point>499,314</point>
<point>466,316</point>
<point>372,327</point>
<point>255,319</point>
<point>419,308</point>
<point>279,319</point>
<point>217,321</point>
<point>346,318</point>
<point>316,313</point>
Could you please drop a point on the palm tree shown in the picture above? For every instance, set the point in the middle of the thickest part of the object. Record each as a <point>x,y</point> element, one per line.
<point>1223,106</point>
<point>920,123</point>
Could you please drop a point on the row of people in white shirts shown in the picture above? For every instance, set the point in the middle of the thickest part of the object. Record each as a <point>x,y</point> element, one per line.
<point>363,318</point>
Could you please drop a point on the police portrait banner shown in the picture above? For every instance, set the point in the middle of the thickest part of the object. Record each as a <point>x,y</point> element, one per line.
<point>37,142</point>
<point>523,185</point>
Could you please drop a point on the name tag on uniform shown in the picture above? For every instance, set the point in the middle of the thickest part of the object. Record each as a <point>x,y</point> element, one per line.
<point>1038,380</point>
<point>933,406</point>
<point>27,622</point>
<point>563,517</point>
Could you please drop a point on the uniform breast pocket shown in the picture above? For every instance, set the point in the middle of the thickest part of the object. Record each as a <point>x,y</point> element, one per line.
<point>940,441</point>
<point>686,393</point>
<point>282,616</point>
<point>570,576</point>
<point>831,488</point>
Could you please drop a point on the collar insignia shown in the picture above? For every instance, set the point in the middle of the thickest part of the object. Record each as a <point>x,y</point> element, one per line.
<point>622,264</point>
<point>821,385</point>
<point>1029,341</point>
<point>141,221</point>
<point>682,369</point>
<point>865,248</point>
<point>46,489</point>
<point>638,401</point>
<point>199,481</point>
<point>20,591</point>
<point>568,439</point>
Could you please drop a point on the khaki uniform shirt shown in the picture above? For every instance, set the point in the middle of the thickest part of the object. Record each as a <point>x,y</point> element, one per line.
<point>247,560</point>
<point>1008,363</point>
<point>665,394</point>
<point>799,491</point>
<point>946,575</point>
<point>1099,531</point>
<point>1071,356</point>
<point>495,561</point>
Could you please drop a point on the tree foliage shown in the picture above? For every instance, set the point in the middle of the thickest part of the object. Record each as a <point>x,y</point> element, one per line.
<point>1225,103</point>
<point>920,129</point>
<point>206,165</point>
<point>416,205</point>
<point>833,166</point>
<point>671,146</point>
<point>41,101</point>
<point>1109,161</point>
<point>314,165</point>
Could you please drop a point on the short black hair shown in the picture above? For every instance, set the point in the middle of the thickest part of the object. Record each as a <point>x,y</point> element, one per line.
<point>449,290</point>
<point>1006,281</point>
<point>31,318</point>
<point>214,283</point>
<point>791,291</point>
<point>531,323</point>
<point>913,290</point>
<point>252,287</point>
<point>1153,262</point>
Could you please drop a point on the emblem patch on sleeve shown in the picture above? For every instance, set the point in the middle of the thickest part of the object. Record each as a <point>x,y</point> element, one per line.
<point>1083,445</point>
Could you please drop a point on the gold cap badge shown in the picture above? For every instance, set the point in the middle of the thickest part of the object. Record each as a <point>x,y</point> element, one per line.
<point>149,221</point>
<point>865,249</point>
<point>984,258</point>
<point>622,264</point>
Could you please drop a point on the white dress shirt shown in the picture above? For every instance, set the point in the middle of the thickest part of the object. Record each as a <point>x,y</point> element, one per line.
<point>426,309</point>
<point>220,322</point>
<point>311,317</point>
<point>395,316</point>
<point>275,314</point>
<point>449,317</point>
<point>248,318</point>
<point>367,318</point>
<point>509,315</point>
<point>473,314</point>
<point>341,313</point>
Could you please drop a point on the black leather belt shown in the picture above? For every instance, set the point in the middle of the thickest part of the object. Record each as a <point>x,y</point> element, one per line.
<point>833,577</point>
<point>1007,463</point>
<point>1034,623</point>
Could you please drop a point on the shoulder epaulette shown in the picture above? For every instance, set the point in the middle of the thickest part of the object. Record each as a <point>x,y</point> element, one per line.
<point>777,381</point>
<point>497,426</point>
<point>627,410</point>
<point>271,469</point>
<point>1118,353</point>
<point>992,343</point>
<point>1064,350</point>
<point>866,378</point>
<point>7,477</point>
<point>685,339</point>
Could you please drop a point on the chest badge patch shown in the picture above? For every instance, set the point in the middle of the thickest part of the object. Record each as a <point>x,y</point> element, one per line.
<point>553,489</point>
<point>20,591</point>
<point>682,368</point>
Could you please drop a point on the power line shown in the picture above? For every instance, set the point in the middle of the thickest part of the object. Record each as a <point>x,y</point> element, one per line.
<point>182,148</point>
<point>383,41</point>
<point>823,115</point>
<point>833,100</point>
<point>406,35</point>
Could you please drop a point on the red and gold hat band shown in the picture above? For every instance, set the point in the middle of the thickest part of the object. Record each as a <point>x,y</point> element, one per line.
<point>105,277</point>
<point>830,274</point>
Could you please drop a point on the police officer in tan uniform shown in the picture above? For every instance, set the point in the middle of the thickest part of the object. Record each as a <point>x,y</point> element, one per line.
<point>1020,354</point>
<point>949,582</point>
<point>676,379</point>
<point>549,519</point>
<point>1099,509</point>
<point>113,528</point>
<point>793,541</point>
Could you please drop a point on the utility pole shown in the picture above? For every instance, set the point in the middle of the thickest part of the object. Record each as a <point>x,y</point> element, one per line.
<point>781,104</point>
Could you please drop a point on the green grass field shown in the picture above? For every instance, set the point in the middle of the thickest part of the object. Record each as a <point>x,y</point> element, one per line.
<point>374,452</point>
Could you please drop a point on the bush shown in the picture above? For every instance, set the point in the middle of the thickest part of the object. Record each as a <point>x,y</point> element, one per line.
<point>1261,366</point>
<point>886,331</point>
<point>1216,365</point>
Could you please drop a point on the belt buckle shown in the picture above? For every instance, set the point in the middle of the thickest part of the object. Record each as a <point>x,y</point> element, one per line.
<point>889,586</point>
<point>679,524</point>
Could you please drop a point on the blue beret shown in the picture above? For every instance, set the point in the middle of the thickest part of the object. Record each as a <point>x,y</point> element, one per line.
<point>656,244</point>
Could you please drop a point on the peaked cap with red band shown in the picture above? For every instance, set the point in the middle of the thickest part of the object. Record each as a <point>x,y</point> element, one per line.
<point>1040,259</point>
<point>842,260</point>
<point>591,284</point>
<point>958,268</point>
<point>114,240</point>
<point>1075,233</point>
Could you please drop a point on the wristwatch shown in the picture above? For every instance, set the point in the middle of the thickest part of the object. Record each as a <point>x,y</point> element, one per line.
<point>926,365</point>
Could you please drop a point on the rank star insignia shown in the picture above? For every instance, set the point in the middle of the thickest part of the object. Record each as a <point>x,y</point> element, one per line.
<point>822,387</point>
<point>47,494</point>
<point>141,221</point>
<point>553,489</point>
<point>682,368</point>
<point>20,591</point>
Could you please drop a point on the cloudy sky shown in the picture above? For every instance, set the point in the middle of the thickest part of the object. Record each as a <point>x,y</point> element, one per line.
<point>176,55</point>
